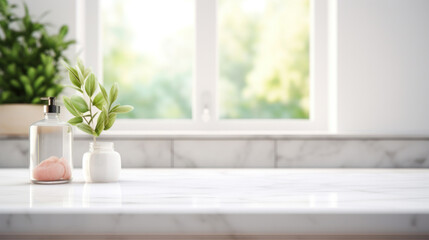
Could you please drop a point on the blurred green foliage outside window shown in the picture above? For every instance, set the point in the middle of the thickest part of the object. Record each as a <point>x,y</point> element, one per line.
<point>263,57</point>
<point>148,48</point>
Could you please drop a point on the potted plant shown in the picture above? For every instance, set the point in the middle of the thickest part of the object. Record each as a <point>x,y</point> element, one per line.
<point>95,111</point>
<point>29,67</point>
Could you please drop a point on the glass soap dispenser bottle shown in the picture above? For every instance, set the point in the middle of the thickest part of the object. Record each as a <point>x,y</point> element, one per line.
<point>51,147</point>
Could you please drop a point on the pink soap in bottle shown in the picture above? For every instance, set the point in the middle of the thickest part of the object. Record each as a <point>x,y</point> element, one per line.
<point>51,147</point>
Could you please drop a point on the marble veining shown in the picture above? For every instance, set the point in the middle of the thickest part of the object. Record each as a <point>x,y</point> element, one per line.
<point>352,154</point>
<point>242,153</point>
<point>219,201</point>
<point>134,153</point>
<point>223,153</point>
<point>14,153</point>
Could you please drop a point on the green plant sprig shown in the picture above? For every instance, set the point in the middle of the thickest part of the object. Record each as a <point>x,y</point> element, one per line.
<point>101,104</point>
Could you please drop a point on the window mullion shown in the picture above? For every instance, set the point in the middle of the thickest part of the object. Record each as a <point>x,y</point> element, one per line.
<point>205,111</point>
<point>91,28</point>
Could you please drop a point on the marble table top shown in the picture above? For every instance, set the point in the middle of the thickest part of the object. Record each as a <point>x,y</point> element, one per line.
<point>218,201</point>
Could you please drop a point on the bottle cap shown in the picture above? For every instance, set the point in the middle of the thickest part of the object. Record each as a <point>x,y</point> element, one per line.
<point>51,107</point>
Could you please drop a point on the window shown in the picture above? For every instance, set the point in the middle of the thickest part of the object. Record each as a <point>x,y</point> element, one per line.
<point>245,65</point>
<point>148,49</point>
<point>263,52</point>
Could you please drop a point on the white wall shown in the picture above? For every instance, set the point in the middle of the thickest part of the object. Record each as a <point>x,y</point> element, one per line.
<point>383,66</point>
<point>383,61</point>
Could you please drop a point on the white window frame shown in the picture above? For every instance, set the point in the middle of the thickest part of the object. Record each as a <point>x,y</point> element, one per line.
<point>205,76</point>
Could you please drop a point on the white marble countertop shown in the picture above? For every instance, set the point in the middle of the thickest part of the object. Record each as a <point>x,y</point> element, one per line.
<point>221,201</point>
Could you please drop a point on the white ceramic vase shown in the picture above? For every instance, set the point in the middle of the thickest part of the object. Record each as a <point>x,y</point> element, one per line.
<point>101,163</point>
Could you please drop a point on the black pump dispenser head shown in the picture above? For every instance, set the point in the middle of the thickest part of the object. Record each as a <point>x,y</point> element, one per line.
<point>51,107</point>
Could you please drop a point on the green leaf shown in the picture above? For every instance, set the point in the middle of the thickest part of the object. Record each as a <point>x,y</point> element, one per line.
<point>80,75</point>
<point>90,85</point>
<point>40,67</point>
<point>28,90</point>
<point>15,83</point>
<point>87,72</point>
<point>113,109</point>
<point>39,81</point>
<point>100,124</point>
<point>35,100</point>
<point>73,79</point>
<point>31,73</point>
<point>64,63</point>
<point>69,106</point>
<point>49,70</point>
<point>122,109</point>
<point>5,95</point>
<point>63,31</point>
<point>15,50</point>
<point>27,87</point>
<point>11,68</point>
<point>99,101</point>
<point>24,80</point>
<point>27,14</point>
<point>74,76</point>
<point>86,128</point>
<point>105,111</point>
<point>113,94</point>
<point>44,59</point>
<point>75,120</point>
<point>41,90</point>
<point>79,103</point>
<point>103,91</point>
<point>80,65</point>
<point>108,123</point>
<point>51,92</point>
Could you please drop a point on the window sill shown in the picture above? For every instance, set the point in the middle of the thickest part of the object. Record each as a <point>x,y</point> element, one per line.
<point>237,135</point>
<point>257,135</point>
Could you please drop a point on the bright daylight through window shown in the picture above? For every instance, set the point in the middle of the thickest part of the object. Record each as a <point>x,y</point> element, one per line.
<point>148,48</point>
<point>263,57</point>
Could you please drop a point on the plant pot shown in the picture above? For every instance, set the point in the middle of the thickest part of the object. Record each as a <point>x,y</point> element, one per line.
<point>101,163</point>
<point>15,119</point>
